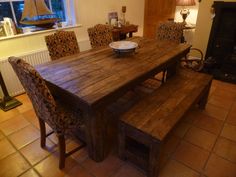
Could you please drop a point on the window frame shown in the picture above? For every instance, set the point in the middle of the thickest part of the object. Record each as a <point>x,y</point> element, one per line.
<point>69,13</point>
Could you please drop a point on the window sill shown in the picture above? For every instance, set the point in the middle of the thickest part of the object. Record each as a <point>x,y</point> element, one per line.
<point>38,32</point>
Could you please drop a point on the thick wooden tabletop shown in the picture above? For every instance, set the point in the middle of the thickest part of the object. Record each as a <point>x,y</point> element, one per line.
<point>96,76</point>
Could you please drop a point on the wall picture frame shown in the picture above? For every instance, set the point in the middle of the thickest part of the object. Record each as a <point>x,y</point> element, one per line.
<point>112,18</point>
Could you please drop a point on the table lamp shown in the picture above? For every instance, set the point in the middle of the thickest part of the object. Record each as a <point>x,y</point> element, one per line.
<point>7,102</point>
<point>184,11</point>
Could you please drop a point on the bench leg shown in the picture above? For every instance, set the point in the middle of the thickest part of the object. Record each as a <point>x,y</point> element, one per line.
<point>121,139</point>
<point>203,101</point>
<point>154,159</point>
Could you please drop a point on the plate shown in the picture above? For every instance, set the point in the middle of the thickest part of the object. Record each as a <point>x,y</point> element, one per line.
<point>123,46</point>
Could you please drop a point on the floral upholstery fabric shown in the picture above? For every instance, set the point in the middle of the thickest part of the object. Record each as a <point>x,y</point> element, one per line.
<point>59,118</point>
<point>170,31</point>
<point>61,44</point>
<point>100,35</point>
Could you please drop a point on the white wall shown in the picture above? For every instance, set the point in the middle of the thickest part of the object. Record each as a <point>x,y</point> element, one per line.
<point>91,12</point>
<point>88,13</point>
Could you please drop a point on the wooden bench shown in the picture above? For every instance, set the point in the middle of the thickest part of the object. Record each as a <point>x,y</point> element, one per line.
<point>143,129</point>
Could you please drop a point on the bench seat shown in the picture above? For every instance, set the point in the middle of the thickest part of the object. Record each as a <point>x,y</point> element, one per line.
<point>148,122</point>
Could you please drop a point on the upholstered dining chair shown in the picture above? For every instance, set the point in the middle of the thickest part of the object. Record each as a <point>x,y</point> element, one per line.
<point>173,32</point>
<point>61,119</point>
<point>100,35</point>
<point>61,44</point>
<point>170,31</point>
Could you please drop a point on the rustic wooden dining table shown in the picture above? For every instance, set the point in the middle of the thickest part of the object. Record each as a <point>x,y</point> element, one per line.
<point>94,79</point>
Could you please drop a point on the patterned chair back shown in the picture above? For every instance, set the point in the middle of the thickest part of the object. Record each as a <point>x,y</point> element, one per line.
<point>170,31</point>
<point>61,44</point>
<point>39,94</point>
<point>100,35</point>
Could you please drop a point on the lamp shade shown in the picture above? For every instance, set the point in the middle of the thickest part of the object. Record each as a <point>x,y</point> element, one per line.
<point>185,2</point>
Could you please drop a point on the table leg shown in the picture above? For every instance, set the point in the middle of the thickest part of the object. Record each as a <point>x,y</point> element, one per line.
<point>172,69</point>
<point>130,34</point>
<point>96,134</point>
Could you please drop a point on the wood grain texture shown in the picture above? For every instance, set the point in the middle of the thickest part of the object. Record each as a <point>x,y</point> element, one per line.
<point>158,113</point>
<point>155,12</point>
<point>95,75</point>
<point>149,121</point>
<point>94,79</point>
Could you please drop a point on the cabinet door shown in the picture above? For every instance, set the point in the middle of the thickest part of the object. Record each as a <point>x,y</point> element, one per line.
<point>155,12</point>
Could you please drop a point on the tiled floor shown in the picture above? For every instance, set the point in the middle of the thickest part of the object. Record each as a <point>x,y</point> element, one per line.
<point>202,145</point>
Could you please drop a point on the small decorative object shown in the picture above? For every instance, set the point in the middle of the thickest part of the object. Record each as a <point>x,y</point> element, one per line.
<point>10,26</point>
<point>36,13</point>
<point>123,9</point>
<point>7,102</point>
<point>113,18</point>
<point>2,30</point>
<point>184,11</point>
<point>122,47</point>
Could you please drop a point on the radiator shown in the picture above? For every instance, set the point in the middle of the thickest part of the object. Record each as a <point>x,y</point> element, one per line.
<point>13,85</point>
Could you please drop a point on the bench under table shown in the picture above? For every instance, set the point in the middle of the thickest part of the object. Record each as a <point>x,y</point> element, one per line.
<point>143,129</point>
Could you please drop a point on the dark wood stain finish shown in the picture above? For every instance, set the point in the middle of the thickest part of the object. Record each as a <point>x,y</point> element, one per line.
<point>151,120</point>
<point>94,79</point>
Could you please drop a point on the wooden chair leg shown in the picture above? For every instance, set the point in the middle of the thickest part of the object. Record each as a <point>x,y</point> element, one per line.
<point>42,133</point>
<point>62,150</point>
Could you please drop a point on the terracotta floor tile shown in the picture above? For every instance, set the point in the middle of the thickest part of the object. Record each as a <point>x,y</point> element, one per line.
<point>226,149</point>
<point>24,136</point>
<point>72,144</point>
<point>231,118</point>
<point>53,138</point>
<point>23,98</point>
<point>218,167</point>
<point>170,144</point>
<point>181,129</point>
<point>13,165</point>
<point>14,124</point>
<point>105,168</point>
<point>191,115</point>
<point>208,123</point>
<point>30,173</point>
<point>49,166</point>
<point>1,135</point>
<point>80,155</point>
<point>26,106</point>
<point>213,88</point>
<point>7,115</point>
<point>31,117</point>
<point>128,170</point>
<point>176,169</point>
<point>34,153</point>
<point>201,138</point>
<point>78,171</point>
<point>221,101</point>
<point>186,153</point>
<point>216,112</point>
<point>5,148</point>
<point>225,92</point>
<point>229,131</point>
<point>226,86</point>
<point>215,83</point>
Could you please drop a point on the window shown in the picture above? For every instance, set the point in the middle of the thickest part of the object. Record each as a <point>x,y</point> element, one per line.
<point>14,8</point>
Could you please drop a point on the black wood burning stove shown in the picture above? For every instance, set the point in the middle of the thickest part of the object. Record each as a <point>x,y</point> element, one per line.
<point>221,50</point>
